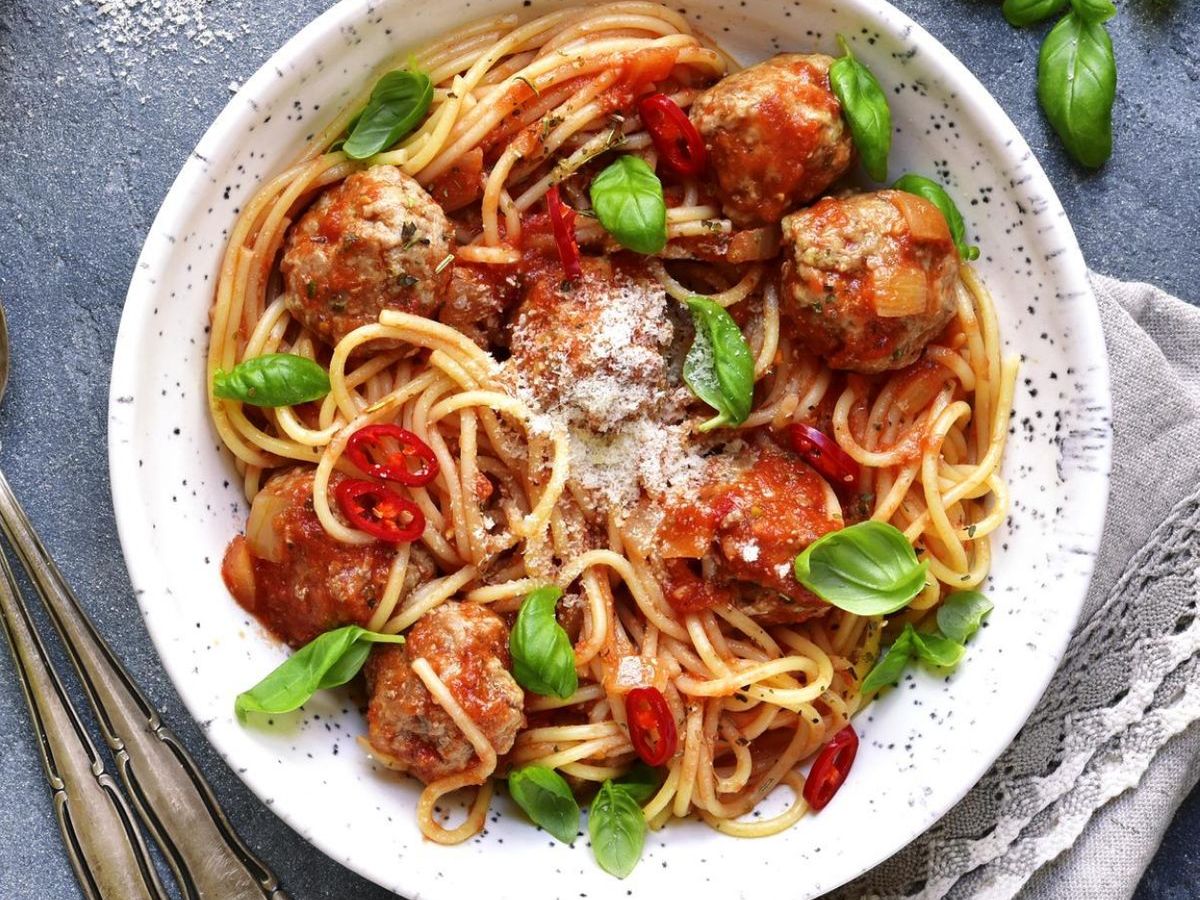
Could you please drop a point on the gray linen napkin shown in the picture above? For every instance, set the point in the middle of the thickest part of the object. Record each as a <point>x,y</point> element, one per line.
<point>1077,805</point>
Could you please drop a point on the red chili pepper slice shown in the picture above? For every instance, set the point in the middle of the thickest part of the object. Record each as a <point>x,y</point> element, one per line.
<point>675,138</point>
<point>651,726</point>
<point>380,511</point>
<point>829,771</point>
<point>373,442</point>
<point>562,221</point>
<point>822,453</point>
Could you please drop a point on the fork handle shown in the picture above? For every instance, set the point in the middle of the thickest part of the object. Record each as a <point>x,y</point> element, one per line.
<point>164,783</point>
<point>104,846</point>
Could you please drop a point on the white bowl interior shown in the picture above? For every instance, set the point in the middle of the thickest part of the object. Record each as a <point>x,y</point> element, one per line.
<point>178,502</point>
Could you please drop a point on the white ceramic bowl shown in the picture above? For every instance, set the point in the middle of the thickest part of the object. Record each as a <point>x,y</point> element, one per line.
<point>923,746</point>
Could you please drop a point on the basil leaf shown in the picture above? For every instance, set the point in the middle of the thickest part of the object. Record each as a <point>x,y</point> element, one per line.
<point>936,650</point>
<point>398,102</point>
<point>1077,84</point>
<point>617,829</point>
<point>1094,10</point>
<point>936,194</point>
<point>865,107</point>
<point>700,374</point>
<point>1026,12</point>
<point>543,659</point>
<point>719,367</point>
<point>327,661</point>
<point>547,800</point>
<point>641,782</point>
<point>891,665</point>
<point>346,667</point>
<point>627,198</point>
<point>961,614</point>
<point>869,569</point>
<point>276,379</point>
<point>958,618</point>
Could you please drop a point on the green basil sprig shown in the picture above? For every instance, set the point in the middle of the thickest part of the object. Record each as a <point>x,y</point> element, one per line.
<point>327,661</point>
<point>542,656</point>
<point>961,614</point>
<point>617,829</point>
<point>1028,12</point>
<point>869,569</point>
<point>891,665</point>
<point>719,368</point>
<point>1077,85</point>
<point>398,102</point>
<point>911,644</point>
<point>616,824</point>
<point>1094,10</point>
<point>958,618</point>
<point>547,800</point>
<point>641,782</point>
<point>627,198</point>
<point>275,379</point>
<point>936,194</point>
<point>866,109</point>
<point>937,650</point>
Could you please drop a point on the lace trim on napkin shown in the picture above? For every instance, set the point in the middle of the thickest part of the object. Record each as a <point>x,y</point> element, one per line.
<point>1129,682</point>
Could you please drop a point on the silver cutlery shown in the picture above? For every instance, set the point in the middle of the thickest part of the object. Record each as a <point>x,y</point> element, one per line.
<point>103,843</point>
<point>162,782</point>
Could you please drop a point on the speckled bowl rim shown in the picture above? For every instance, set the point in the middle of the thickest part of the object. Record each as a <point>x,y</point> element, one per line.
<point>147,573</point>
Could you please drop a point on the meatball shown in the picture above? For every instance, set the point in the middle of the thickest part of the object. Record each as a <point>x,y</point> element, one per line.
<point>775,136</point>
<point>376,241</point>
<point>594,351</point>
<point>467,646</point>
<point>296,579</point>
<point>736,541</point>
<point>869,279</point>
<point>478,302</point>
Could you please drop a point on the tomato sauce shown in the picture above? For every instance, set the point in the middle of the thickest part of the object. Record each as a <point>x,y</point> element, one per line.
<point>318,583</point>
<point>751,527</point>
<point>461,184</point>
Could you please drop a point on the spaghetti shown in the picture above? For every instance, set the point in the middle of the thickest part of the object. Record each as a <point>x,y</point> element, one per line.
<point>539,102</point>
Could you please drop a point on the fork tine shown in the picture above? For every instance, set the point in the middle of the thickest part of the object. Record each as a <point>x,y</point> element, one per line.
<point>104,846</point>
<point>164,783</point>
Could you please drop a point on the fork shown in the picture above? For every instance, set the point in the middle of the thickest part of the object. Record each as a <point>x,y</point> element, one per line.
<point>103,844</point>
<point>162,781</point>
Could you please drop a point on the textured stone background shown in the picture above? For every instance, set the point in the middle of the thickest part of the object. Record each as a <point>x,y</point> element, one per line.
<point>91,135</point>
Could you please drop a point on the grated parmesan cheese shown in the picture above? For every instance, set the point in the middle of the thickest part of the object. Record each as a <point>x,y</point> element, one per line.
<point>595,362</point>
<point>642,456</point>
<point>130,31</point>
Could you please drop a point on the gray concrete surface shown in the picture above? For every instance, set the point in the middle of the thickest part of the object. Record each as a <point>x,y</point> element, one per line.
<point>92,132</point>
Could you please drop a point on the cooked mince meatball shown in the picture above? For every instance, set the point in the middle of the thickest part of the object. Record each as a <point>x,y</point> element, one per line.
<point>775,136</point>
<point>371,243</point>
<point>593,351</point>
<point>298,580</point>
<point>467,646</point>
<point>868,279</point>
<point>478,301</point>
<point>735,542</point>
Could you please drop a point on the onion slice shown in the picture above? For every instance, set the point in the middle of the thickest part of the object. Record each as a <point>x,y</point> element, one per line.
<point>632,672</point>
<point>261,534</point>
<point>903,291</point>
